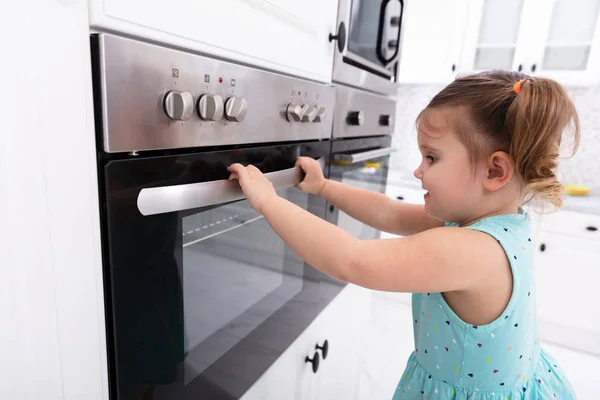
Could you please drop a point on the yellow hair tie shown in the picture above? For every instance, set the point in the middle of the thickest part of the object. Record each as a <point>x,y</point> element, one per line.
<point>517,86</point>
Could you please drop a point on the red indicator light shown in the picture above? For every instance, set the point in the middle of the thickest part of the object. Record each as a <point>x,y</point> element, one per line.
<point>220,80</point>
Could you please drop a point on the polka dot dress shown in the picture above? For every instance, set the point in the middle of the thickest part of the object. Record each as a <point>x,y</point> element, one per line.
<point>498,361</point>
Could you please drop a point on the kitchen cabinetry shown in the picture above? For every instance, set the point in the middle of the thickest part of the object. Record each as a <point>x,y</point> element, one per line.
<point>286,36</point>
<point>432,40</point>
<point>387,344</point>
<point>558,39</point>
<point>567,272</point>
<point>342,324</point>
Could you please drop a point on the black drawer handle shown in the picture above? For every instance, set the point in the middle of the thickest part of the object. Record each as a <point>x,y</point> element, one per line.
<point>592,228</point>
<point>400,197</point>
<point>314,361</point>
<point>542,247</point>
<point>324,349</point>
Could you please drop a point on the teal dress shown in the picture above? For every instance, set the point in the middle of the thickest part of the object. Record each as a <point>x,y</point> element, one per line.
<point>498,361</point>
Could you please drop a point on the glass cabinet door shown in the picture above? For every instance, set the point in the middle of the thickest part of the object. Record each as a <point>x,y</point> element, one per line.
<point>498,35</point>
<point>573,27</point>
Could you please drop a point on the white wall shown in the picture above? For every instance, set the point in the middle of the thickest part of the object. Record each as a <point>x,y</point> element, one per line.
<point>52,343</point>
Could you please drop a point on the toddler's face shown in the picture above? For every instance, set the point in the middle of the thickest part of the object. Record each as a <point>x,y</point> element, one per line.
<point>446,172</point>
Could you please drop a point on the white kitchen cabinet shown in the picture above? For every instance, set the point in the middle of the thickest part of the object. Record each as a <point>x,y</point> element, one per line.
<point>495,37</point>
<point>566,274</point>
<point>386,347</point>
<point>566,46</point>
<point>282,35</point>
<point>558,39</point>
<point>342,323</point>
<point>432,40</point>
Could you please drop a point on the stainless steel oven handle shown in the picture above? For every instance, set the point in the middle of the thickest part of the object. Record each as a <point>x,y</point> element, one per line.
<point>366,155</point>
<point>160,200</point>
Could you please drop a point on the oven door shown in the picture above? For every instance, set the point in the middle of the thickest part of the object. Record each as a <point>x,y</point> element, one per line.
<point>202,295</point>
<point>371,56</point>
<point>361,163</point>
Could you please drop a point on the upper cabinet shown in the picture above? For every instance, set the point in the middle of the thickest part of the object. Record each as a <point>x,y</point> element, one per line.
<point>567,46</point>
<point>558,39</point>
<point>281,35</point>
<point>432,40</point>
<point>493,35</point>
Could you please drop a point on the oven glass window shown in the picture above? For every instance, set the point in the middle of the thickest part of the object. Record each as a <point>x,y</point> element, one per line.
<point>367,18</point>
<point>236,273</point>
<point>371,176</point>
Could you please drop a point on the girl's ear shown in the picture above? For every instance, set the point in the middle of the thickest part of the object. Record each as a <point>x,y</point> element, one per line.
<point>499,171</point>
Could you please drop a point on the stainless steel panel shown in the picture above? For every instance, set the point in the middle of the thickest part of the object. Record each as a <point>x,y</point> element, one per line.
<point>135,77</point>
<point>351,75</point>
<point>363,156</point>
<point>373,107</point>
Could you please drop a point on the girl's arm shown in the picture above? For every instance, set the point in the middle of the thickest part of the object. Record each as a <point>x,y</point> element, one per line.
<point>438,260</point>
<point>378,210</point>
<point>374,209</point>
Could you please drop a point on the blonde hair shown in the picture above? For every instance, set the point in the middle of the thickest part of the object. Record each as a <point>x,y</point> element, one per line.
<point>526,122</point>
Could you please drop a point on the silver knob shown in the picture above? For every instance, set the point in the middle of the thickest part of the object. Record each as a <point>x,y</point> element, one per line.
<point>294,112</point>
<point>320,117</point>
<point>210,107</point>
<point>308,113</point>
<point>179,105</point>
<point>236,109</point>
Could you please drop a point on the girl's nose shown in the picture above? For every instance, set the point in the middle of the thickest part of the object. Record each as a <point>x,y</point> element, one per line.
<point>418,172</point>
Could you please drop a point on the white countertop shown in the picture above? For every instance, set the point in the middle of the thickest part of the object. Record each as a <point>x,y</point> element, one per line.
<point>584,204</point>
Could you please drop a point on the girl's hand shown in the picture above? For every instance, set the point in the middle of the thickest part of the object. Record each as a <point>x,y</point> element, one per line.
<point>255,186</point>
<point>314,181</point>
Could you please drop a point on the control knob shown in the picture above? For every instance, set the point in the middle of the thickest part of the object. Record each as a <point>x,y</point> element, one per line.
<point>210,107</point>
<point>355,118</point>
<point>236,109</point>
<point>179,105</point>
<point>308,113</point>
<point>320,117</point>
<point>293,112</point>
<point>385,120</point>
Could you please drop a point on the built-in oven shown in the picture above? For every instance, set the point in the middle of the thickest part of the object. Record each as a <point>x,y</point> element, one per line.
<point>361,147</point>
<point>369,41</point>
<point>201,295</point>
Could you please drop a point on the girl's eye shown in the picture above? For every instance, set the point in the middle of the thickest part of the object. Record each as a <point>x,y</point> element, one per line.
<point>431,159</point>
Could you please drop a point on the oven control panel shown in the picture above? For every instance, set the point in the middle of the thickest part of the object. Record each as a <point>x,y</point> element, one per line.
<point>153,98</point>
<point>361,113</point>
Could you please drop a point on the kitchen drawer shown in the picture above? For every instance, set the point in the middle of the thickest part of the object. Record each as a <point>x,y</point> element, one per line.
<point>567,272</point>
<point>573,224</point>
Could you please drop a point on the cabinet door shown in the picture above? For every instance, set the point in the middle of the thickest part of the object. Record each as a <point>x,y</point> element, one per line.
<point>386,346</point>
<point>495,37</point>
<point>567,273</point>
<point>432,40</point>
<point>288,36</point>
<point>566,45</point>
<point>342,324</point>
<point>290,377</point>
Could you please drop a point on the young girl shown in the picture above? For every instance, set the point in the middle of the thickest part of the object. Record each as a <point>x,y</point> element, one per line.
<point>490,142</point>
